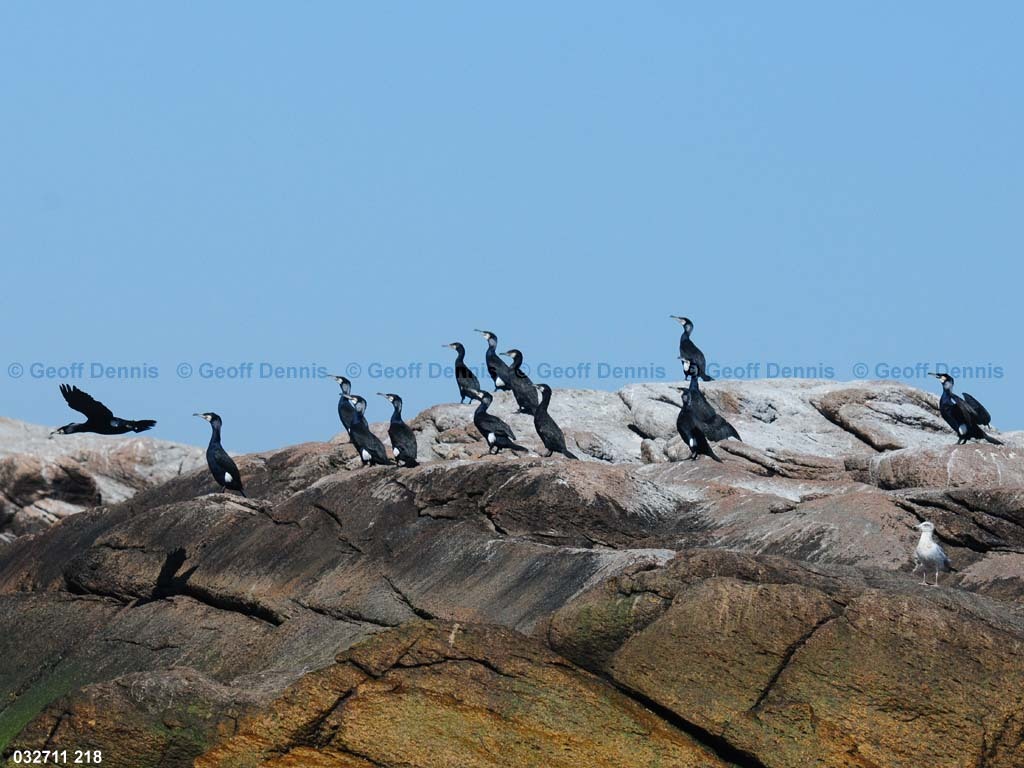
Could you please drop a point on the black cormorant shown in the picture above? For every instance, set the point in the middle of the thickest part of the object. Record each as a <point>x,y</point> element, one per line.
<point>496,432</point>
<point>464,377</point>
<point>222,466</point>
<point>714,426</point>
<point>346,411</point>
<point>961,414</point>
<point>522,387</point>
<point>688,350</point>
<point>370,449</point>
<point>497,367</point>
<point>403,441</point>
<point>98,418</point>
<point>691,433</point>
<point>549,432</point>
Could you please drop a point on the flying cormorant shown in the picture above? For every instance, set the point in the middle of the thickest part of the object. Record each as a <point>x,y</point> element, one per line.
<point>549,432</point>
<point>222,466</point>
<point>464,377</point>
<point>496,432</point>
<point>403,441</point>
<point>713,425</point>
<point>497,367</point>
<point>929,555</point>
<point>98,418</point>
<point>370,449</point>
<point>522,387</point>
<point>346,411</point>
<point>688,350</point>
<point>960,414</point>
<point>691,433</point>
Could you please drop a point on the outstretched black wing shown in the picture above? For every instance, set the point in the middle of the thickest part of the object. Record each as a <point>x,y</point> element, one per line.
<point>85,404</point>
<point>983,417</point>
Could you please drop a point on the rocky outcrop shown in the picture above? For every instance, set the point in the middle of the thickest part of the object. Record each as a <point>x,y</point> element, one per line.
<point>627,608</point>
<point>794,666</point>
<point>44,480</point>
<point>431,694</point>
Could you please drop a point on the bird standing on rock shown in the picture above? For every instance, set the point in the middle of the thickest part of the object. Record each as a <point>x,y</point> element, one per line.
<point>522,387</point>
<point>688,350</point>
<point>368,446</point>
<point>496,432</point>
<point>549,432</point>
<point>464,377</point>
<point>714,426</point>
<point>98,418</point>
<point>692,434</point>
<point>498,368</point>
<point>222,466</point>
<point>346,411</point>
<point>403,440</point>
<point>929,555</point>
<point>962,413</point>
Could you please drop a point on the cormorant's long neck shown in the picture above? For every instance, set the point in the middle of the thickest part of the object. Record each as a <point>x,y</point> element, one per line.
<point>544,400</point>
<point>215,437</point>
<point>397,414</point>
<point>694,386</point>
<point>481,408</point>
<point>460,357</point>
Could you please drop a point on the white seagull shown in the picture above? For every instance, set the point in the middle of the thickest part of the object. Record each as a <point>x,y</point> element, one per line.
<point>929,555</point>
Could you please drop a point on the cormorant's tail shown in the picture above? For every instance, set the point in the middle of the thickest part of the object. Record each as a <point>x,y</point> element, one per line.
<point>410,463</point>
<point>713,455</point>
<point>991,439</point>
<point>516,447</point>
<point>142,426</point>
<point>570,455</point>
<point>705,377</point>
<point>242,491</point>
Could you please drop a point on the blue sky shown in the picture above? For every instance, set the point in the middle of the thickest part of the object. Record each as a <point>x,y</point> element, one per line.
<point>321,184</point>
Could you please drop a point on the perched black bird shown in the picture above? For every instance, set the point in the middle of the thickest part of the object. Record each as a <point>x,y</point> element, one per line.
<point>346,411</point>
<point>961,414</point>
<point>522,387</point>
<point>689,430</point>
<point>688,350</point>
<point>549,432</point>
<point>370,449</point>
<point>714,426</point>
<point>496,432</point>
<point>464,377</point>
<point>222,466</point>
<point>98,418</point>
<point>403,441</point>
<point>497,367</point>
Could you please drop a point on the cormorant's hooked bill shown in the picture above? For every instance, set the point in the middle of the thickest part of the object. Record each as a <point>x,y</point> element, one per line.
<point>222,466</point>
<point>98,418</point>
